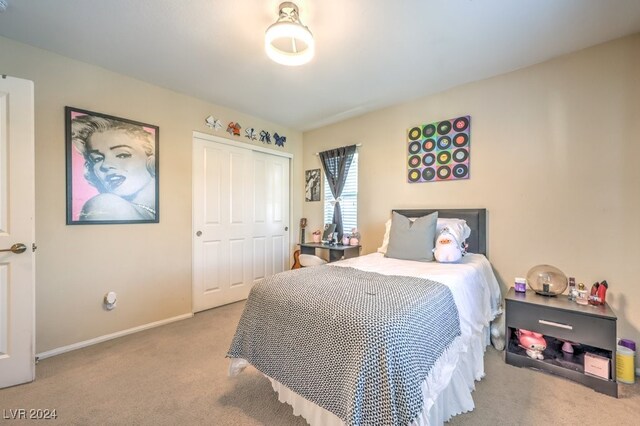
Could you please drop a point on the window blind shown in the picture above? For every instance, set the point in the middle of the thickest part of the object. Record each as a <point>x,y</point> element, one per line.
<point>349,204</point>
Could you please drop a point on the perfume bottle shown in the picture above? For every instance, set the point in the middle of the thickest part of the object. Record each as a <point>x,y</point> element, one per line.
<point>572,289</point>
<point>583,295</point>
<point>593,295</point>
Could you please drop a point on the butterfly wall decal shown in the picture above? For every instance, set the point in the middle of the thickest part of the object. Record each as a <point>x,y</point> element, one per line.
<point>212,123</point>
<point>250,134</point>
<point>265,137</point>
<point>280,140</point>
<point>234,129</point>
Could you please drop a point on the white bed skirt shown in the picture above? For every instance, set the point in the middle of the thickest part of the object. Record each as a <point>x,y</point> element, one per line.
<point>446,393</point>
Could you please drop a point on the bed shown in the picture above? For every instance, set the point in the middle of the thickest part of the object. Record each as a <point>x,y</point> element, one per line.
<point>407,351</point>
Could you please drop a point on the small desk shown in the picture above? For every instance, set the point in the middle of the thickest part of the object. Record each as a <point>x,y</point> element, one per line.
<point>335,252</point>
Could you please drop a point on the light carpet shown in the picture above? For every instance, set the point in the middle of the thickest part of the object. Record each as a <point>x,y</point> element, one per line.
<point>177,374</point>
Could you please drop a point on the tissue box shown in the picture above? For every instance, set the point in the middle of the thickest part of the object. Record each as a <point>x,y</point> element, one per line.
<point>596,365</point>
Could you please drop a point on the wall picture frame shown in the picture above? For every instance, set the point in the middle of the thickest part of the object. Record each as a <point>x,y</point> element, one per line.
<point>312,185</point>
<point>112,166</point>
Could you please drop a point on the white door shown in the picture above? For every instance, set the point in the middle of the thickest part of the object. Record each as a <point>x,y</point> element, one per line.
<point>240,220</point>
<point>17,194</point>
<point>270,217</point>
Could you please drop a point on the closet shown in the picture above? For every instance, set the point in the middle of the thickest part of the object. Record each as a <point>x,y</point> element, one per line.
<point>240,218</point>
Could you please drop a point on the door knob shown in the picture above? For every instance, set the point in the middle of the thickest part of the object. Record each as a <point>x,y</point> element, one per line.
<point>199,233</point>
<point>286,228</point>
<point>16,248</point>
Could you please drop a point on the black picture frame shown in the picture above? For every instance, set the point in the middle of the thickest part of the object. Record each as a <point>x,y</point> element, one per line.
<point>329,229</point>
<point>112,169</point>
<point>312,189</point>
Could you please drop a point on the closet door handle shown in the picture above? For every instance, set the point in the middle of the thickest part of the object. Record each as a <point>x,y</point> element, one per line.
<point>556,324</point>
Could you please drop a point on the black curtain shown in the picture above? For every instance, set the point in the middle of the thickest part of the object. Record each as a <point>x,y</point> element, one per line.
<point>336,163</point>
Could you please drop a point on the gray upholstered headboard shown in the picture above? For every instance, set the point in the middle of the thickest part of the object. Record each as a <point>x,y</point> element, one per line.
<point>476,219</point>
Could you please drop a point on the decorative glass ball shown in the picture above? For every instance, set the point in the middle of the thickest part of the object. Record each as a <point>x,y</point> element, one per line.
<point>547,280</point>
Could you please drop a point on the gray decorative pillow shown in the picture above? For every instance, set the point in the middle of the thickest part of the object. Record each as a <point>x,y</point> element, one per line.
<point>412,240</point>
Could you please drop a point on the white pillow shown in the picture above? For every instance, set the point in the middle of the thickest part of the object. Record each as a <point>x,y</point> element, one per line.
<point>458,227</point>
<point>385,240</point>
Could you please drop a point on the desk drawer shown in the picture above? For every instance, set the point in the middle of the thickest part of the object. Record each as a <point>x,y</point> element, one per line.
<point>561,324</point>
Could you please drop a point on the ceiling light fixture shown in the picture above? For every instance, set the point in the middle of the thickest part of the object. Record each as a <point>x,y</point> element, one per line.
<point>288,41</point>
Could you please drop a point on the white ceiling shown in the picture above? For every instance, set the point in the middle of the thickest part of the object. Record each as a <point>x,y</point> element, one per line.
<point>369,53</point>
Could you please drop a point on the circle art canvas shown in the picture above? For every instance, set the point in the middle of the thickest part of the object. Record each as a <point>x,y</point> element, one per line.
<point>439,151</point>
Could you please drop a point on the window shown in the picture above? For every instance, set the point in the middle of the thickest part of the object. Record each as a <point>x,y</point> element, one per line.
<point>349,204</point>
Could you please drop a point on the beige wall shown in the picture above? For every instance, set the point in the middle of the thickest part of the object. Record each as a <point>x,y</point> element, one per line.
<point>554,150</point>
<point>554,159</point>
<point>148,265</point>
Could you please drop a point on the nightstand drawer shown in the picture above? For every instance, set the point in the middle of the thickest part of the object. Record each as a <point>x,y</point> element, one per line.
<point>572,326</point>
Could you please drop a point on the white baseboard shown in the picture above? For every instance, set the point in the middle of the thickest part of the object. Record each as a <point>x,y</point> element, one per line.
<point>106,337</point>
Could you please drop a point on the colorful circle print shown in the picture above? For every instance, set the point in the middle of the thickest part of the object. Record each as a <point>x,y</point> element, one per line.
<point>444,172</point>
<point>444,157</point>
<point>460,139</point>
<point>460,155</point>
<point>414,161</point>
<point>414,175</point>
<point>444,142</point>
<point>439,150</point>
<point>414,133</point>
<point>414,147</point>
<point>428,173</point>
<point>460,171</point>
<point>428,160</point>
<point>428,145</point>
<point>429,130</point>
<point>460,124</point>
<point>444,127</point>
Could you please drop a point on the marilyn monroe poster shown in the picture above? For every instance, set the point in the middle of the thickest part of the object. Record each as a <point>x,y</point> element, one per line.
<point>112,169</point>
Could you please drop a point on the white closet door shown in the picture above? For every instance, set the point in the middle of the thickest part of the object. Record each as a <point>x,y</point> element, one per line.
<point>240,219</point>
<point>270,215</point>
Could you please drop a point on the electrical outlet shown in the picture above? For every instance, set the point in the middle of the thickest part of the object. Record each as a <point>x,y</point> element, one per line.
<point>110,300</point>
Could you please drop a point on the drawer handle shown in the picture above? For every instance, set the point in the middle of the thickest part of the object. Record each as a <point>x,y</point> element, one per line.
<point>556,324</point>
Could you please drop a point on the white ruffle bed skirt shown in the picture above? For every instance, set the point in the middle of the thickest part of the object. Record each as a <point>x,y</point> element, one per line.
<point>446,391</point>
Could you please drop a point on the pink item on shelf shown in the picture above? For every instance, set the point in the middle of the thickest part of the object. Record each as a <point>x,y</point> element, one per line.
<point>534,343</point>
<point>596,365</point>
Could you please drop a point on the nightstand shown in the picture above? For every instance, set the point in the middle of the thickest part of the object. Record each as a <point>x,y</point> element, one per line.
<point>592,328</point>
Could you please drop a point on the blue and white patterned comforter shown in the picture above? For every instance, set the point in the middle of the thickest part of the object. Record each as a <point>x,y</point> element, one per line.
<point>359,344</point>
